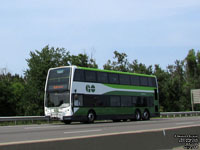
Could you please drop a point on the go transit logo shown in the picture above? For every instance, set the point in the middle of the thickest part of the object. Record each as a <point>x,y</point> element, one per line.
<point>90,88</point>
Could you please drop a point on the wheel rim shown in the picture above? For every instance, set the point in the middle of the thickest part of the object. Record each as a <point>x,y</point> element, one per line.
<point>137,115</point>
<point>146,115</point>
<point>91,117</point>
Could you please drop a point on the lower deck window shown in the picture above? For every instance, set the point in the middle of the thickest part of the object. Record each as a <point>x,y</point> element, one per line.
<point>113,101</point>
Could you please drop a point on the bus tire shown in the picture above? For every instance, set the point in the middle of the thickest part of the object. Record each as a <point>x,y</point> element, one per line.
<point>91,116</point>
<point>146,115</point>
<point>138,115</point>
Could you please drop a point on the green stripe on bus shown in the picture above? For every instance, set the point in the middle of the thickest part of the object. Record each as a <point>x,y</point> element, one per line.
<point>127,93</point>
<point>119,72</point>
<point>117,86</point>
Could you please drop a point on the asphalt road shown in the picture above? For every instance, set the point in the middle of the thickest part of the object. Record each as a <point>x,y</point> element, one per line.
<point>40,133</point>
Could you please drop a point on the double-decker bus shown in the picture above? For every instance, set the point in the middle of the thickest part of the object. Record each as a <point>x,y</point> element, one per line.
<point>85,94</point>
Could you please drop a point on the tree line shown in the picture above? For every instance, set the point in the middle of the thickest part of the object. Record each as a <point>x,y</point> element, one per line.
<point>24,95</point>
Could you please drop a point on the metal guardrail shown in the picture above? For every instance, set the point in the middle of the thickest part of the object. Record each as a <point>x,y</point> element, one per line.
<point>179,114</point>
<point>38,118</point>
<point>23,118</point>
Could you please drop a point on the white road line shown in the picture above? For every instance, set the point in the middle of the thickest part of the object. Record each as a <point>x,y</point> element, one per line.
<point>44,127</point>
<point>164,132</point>
<point>184,123</point>
<point>84,131</point>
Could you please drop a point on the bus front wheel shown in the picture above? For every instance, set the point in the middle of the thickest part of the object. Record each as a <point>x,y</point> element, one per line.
<point>91,117</point>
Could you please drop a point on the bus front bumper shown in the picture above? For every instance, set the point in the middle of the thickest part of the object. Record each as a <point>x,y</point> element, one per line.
<point>58,118</point>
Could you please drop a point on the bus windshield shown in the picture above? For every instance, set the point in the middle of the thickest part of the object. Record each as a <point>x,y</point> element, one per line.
<point>57,90</point>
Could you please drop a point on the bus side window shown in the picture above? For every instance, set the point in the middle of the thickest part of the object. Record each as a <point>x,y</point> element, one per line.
<point>102,77</point>
<point>150,102</point>
<point>134,100</point>
<point>113,78</point>
<point>135,80</point>
<point>152,82</point>
<point>79,75</point>
<point>145,101</point>
<point>124,79</point>
<point>143,81</point>
<point>126,101</point>
<point>78,100</point>
<point>90,76</point>
<point>139,101</point>
<point>114,101</point>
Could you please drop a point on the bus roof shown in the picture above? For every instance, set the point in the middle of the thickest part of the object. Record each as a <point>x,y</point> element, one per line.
<point>112,71</point>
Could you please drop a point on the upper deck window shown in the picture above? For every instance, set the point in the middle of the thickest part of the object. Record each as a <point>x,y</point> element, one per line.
<point>144,81</point>
<point>102,77</point>
<point>79,75</point>
<point>152,82</point>
<point>90,76</point>
<point>135,80</point>
<point>113,78</point>
<point>124,79</point>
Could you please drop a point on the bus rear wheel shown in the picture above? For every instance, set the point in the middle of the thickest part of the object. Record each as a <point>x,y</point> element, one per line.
<point>146,115</point>
<point>137,115</point>
<point>91,117</point>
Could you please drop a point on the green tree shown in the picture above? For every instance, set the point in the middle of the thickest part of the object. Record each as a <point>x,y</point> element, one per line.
<point>5,96</point>
<point>120,62</point>
<point>191,65</point>
<point>11,94</point>
<point>192,68</point>
<point>39,63</point>
<point>83,60</point>
<point>140,68</point>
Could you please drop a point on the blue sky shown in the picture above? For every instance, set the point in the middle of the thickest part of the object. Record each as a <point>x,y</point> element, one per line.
<point>154,32</point>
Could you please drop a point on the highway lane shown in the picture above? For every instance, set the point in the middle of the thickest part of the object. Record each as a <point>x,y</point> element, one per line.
<point>48,132</point>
